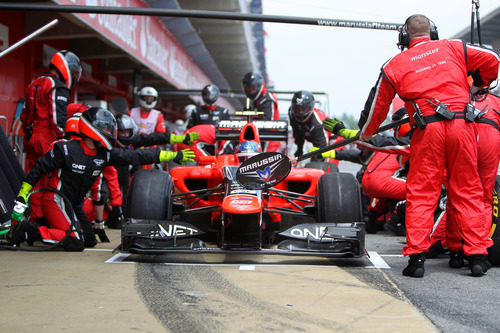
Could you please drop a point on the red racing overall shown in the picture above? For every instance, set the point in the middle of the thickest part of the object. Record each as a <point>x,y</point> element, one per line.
<point>46,101</point>
<point>488,157</point>
<point>436,71</point>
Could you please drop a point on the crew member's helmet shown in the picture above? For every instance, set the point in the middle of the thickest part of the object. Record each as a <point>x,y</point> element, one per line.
<point>253,83</point>
<point>148,97</point>
<point>246,149</point>
<point>67,65</point>
<point>127,129</point>
<point>100,125</point>
<point>72,127</point>
<point>403,129</point>
<point>302,105</point>
<point>180,125</point>
<point>210,94</point>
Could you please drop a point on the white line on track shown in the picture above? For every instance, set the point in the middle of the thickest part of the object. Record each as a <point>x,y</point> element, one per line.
<point>119,258</point>
<point>377,260</point>
<point>374,257</point>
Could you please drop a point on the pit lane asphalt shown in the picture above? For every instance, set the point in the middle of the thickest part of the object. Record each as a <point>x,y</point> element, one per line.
<point>100,291</point>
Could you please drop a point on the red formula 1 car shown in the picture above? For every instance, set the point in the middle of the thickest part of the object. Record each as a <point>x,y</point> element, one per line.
<point>216,206</point>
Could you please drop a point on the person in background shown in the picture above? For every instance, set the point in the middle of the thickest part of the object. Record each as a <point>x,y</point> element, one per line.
<point>145,116</point>
<point>209,113</point>
<point>128,137</point>
<point>261,100</point>
<point>431,77</point>
<point>47,98</point>
<point>306,122</point>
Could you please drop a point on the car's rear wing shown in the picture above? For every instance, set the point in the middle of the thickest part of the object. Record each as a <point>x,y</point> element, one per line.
<point>269,130</point>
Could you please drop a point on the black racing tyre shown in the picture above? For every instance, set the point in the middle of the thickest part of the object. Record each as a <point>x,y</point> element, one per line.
<point>339,198</point>
<point>325,166</point>
<point>150,195</point>
<point>494,250</point>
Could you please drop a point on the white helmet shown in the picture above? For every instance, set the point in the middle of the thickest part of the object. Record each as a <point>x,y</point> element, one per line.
<point>148,103</point>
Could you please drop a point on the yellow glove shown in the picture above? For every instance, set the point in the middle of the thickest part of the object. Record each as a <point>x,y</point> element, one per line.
<point>326,154</point>
<point>348,133</point>
<point>23,192</point>
<point>187,139</point>
<point>181,157</point>
<point>333,125</point>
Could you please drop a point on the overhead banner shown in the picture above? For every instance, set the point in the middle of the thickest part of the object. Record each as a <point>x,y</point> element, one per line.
<point>146,39</point>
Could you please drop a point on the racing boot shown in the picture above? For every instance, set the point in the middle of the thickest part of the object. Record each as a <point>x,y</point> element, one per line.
<point>435,250</point>
<point>396,222</point>
<point>478,264</point>
<point>26,231</point>
<point>372,222</point>
<point>415,266</point>
<point>456,259</point>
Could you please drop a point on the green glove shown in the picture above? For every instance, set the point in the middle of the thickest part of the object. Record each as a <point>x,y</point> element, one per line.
<point>20,202</point>
<point>326,154</point>
<point>187,139</point>
<point>183,156</point>
<point>333,125</point>
<point>348,133</point>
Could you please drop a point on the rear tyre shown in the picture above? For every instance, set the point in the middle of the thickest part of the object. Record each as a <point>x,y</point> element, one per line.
<point>325,166</point>
<point>494,250</point>
<point>150,196</point>
<point>339,198</point>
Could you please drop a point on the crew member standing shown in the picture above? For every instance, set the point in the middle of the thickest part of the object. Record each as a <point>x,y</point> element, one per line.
<point>145,116</point>
<point>431,77</point>
<point>263,101</point>
<point>306,122</point>
<point>209,113</point>
<point>47,98</point>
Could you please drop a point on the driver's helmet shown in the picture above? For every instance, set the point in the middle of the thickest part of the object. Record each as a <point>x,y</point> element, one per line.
<point>127,129</point>
<point>100,125</point>
<point>148,97</point>
<point>246,149</point>
<point>302,105</point>
<point>67,64</point>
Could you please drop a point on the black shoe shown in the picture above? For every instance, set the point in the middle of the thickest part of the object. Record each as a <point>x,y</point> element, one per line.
<point>415,266</point>
<point>372,224</point>
<point>456,259</point>
<point>478,264</point>
<point>395,225</point>
<point>435,250</point>
<point>26,231</point>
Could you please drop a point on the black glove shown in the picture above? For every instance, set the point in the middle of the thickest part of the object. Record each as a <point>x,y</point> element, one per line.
<point>116,218</point>
<point>98,226</point>
<point>299,152</point>
<point>28,132</point>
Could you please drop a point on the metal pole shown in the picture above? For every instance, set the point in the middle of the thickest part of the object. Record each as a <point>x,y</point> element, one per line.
<point>205,14</point>
<point>30,36</point>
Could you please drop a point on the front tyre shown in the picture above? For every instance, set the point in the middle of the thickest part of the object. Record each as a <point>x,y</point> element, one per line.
<point>150,195</point>
<point>339,198</point>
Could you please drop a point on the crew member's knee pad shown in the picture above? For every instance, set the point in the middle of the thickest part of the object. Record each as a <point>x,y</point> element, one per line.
<point>72,244</point>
